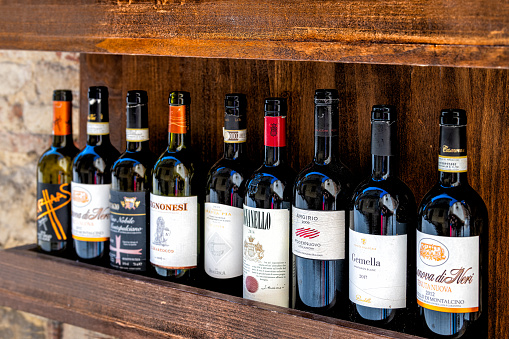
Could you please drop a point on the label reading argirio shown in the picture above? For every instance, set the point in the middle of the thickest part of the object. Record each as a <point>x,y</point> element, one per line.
<point>53,211</point>
<point>128,230</point>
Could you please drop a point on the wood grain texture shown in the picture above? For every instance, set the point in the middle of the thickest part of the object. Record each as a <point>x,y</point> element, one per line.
<point>452,33</point>
<point>419,94</point>
<point>130,306</point>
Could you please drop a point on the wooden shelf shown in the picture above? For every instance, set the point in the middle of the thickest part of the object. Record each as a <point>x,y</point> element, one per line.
<point>128,305</point>
<point>468,33</point>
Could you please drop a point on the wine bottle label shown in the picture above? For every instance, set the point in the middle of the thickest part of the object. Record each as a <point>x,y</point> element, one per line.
<point>62,111</point>
<point>128,230</point>
<point>234,136</point>
<point>452,164</point>
<point>174,231</point>
<point>223,239</point>
<point>275,131</point>
<point>266,258</point>
<point>98,128</point>
<point>53,211</point>
<point>318,234</point>
<point>177,121</point>
<point>377,270</point>
<point>448,273</point>
<point>90,212</point>
<point>136,134</point>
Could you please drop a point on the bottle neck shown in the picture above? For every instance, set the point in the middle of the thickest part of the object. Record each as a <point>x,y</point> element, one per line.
<point>326,133</point>
<point>275,140</point>
<point>452,162</point>
<point>274,156</point>
<point>62,123</point>
<point>383,167</point>
<point>62,140</point>
<point>137,146</point>
<point>177,141</point>
<point>98,140</point>
<point>326,149</point>
<point>233,151</point>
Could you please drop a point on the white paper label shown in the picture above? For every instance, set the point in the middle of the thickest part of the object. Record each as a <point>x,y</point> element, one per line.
<point>448,273</point>
<point>223,240</point>
<point>234,136</point>
<point>318,234</point>
<point>452,164</point>
<point>90,212</point>
<point>377,270</point>
<point>174,231</point>
<point>266,259</point>
<point>98,128</point>
<point>136,134</point>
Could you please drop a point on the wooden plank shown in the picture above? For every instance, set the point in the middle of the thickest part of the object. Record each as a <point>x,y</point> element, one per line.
<point>127,305</point>
<point>453,33</point>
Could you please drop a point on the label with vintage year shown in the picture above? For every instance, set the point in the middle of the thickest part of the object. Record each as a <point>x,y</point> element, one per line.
<point>318,234</point>
<point>136,134</point>
<point>53,211</point>
<point>266,259</point>
<point>128,230</point>
<point>452,164</point>
<point>223,239</point>
<point>234,136</point>
<point>90,212</point>
<point>377,270</point>
<point>174,231</point>
<point>448,273</point>
<point>98,128</point>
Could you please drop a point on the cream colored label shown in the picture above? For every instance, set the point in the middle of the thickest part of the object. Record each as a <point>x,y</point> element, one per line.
<point>98,128</point>
<point>377,270</point>
<point>266,258</point>
<point>318,234</point>
<point>174,231</point>
<point>223,240</point>
<point>234,136</point>
<point>136,134</point>
<point>452,164</point>
<point>448,273</point>
<point>90,206</point>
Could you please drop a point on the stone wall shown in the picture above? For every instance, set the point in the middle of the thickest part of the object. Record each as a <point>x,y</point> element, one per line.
<point>27,81</point>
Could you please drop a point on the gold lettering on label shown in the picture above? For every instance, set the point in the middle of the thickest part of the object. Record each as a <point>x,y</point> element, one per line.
<point>446,149</point>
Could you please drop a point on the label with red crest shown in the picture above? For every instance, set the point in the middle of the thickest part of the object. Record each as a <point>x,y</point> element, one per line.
<point>275,131</point>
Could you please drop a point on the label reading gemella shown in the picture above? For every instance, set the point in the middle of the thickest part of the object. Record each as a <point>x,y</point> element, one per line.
<point>128,230</point>
<point>266,259</point>
<point>318,234</point>
<point>136,134</point>
<point>53,211</point>
<point>223,239</point>
<point>377,270</point>
<point>174,231</point>
<point>448,273</point>
<point>90,212</point>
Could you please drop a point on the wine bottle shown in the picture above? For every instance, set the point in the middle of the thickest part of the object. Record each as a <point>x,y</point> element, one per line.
<point>174,209</point>
<point>91,182</point>
<point>54,175</point>
<point>321,198</point>
<point>267,261</point>
<point>382,235</point>
<point>452,243</point>
<point>130,189</point>
<point>223,203</point>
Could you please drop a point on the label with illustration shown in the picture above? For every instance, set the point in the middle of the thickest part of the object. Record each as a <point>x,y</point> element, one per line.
<point>318,234</point>
<point>266,259</point>
<point>448,273</point>
<point>53,211</point>
<point>377,270</point>
<point>223,237</point>
<point>128,230</point>
<point>90,212</point>
<point>174,231</point>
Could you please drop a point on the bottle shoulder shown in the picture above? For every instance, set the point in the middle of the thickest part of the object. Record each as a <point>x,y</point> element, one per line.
<point>392,186</point>
<point>130,159</point>
<point>282,173</point>
<point>169,159</point>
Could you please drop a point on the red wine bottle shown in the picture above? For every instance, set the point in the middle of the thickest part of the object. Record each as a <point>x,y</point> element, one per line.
<point>223,203</point>
<point>267,261</point>
<point>452,243</point>
<point>54,175</point>
<point>130,189</point>
<point>320,211</point>
<point>382,236</point>
<point>91,182</point>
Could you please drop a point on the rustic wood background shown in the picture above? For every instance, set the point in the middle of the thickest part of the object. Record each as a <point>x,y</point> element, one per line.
<point>419,93</point>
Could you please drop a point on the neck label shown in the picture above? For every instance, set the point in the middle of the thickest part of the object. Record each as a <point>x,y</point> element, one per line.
<point>136,134</point>
<point>177,121</point>
<point>275,131</point>
<point>452,164</point>
<point>62,117</point>
<point>234,136</point>
<point>98,128</point>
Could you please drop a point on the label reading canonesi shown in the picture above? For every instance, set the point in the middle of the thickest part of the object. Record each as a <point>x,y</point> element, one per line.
<point>223,239</point>
<point>377,270</point>
<point>128,230</point>
<point>318,234</point>
<point>266,258</point>
<point>98,128</point>
<point>90,212</point>
<point>448,273</point>
<point>53,211</point>
<point>174,231</point>
<point>136,134</point>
